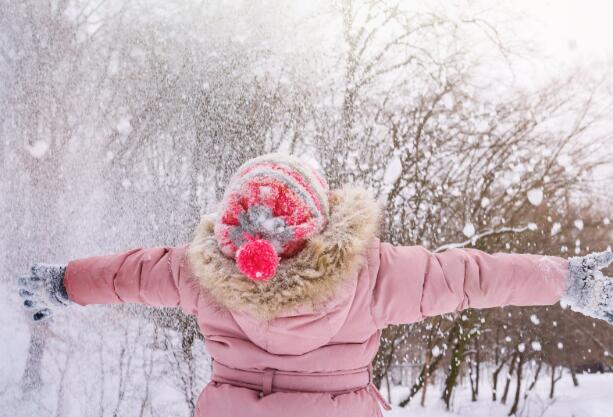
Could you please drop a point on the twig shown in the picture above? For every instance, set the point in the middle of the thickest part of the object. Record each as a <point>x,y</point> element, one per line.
<point>485,233</point>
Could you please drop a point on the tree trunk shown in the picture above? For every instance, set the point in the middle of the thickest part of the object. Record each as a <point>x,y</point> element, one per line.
<point>478,373</point>
<point>419,384</point>
<point>389,391</point>
<point>553,382</point>
<point>495,379</point>
<point>471,380</point>
<point>554,379</point>
<point>430,365</point>
<point>452,376</point>
<point>474,374</point>
<point>457,358</point>
<point>536,375</point>
<point>520,366</point>
<point>31,378</point>
<point>573,375</point>
<point>503,400</point>
<point>426,377</point>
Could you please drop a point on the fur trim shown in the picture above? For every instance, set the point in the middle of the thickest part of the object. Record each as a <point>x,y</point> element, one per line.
<point>312,276</point>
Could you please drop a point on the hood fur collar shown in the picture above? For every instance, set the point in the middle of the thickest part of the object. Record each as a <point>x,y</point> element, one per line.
<point>312,276</point>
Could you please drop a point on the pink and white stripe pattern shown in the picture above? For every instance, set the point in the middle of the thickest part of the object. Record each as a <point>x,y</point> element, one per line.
<point>276,197</point>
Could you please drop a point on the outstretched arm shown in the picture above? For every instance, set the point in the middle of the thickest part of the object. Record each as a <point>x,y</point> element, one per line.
<point>156,277</point>
<point>414,283</point>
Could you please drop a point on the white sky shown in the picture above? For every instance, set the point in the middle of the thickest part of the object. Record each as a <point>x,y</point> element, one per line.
<point>566,34</point>
<point>572,28</point>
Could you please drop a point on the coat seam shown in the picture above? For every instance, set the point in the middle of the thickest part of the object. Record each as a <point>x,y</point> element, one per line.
<point>423,283</point>
<point>466,299</point>
<point>172,277</point>
<point>373,317</point>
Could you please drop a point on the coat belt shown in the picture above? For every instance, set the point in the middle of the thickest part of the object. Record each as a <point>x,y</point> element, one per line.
<point>270,380</point>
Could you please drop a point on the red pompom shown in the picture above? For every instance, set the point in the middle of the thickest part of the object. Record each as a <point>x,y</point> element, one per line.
<point>258,260</point>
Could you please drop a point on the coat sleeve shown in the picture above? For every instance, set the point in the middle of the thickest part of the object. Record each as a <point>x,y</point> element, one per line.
<point>156,277</point>
<point>413,283</point>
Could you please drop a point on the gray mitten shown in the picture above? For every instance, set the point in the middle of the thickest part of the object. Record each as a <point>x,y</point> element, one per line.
<point>43,291</point>
<point>590,292</point>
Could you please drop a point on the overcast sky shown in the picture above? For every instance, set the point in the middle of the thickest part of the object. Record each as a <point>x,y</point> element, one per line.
<point>566,33</point>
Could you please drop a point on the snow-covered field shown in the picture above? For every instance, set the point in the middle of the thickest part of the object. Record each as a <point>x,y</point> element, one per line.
<point>592,398</point>
<point>98,361</point>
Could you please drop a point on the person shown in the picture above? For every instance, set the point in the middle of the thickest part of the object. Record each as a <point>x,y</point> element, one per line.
<point>291,288</point>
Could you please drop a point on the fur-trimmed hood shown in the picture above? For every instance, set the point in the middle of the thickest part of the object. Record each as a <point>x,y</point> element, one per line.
<point>311,277</point>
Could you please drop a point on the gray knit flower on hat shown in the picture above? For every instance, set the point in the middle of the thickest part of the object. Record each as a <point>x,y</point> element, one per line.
<point>259,222</point>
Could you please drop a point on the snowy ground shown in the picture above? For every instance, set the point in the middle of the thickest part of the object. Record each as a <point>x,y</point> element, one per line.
<point>98,361</point>
<point>592,398</point>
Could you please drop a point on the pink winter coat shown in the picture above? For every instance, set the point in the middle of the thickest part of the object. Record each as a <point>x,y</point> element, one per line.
<point>301,344</point>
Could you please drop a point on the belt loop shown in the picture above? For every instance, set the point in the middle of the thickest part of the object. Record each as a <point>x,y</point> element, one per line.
<point>382,401</point>
<point>267,378</point>
<point>373,389</point>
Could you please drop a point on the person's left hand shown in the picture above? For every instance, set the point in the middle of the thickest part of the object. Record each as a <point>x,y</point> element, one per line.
<point>43,291</point>
<point>589,291</point>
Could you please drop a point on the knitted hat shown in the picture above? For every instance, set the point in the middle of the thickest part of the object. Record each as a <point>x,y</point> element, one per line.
<point>271,206</point>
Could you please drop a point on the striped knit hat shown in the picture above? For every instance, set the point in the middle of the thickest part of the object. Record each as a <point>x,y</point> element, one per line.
<point>271,206</point>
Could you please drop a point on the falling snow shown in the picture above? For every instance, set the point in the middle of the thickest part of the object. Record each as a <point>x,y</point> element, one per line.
<point>535,196</point>
<point>123,126</point>
<point>579,224</point>
<point>555,228</point>
<point>436,351</point>
<point>38,149</point>
<point>122,122</point>
<point>469,230</point>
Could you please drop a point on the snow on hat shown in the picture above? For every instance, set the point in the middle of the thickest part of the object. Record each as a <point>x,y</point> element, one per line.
<point>271,206</point>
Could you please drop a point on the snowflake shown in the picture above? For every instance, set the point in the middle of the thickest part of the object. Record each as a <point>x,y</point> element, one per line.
<point>535,196</point>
